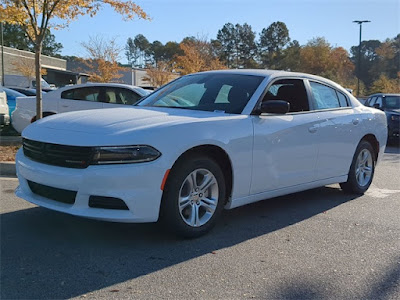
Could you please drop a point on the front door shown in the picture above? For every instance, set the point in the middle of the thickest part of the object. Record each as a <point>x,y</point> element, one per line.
<point>285,146</point>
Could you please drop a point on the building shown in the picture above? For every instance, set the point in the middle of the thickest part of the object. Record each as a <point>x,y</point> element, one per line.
<point>55,68</point>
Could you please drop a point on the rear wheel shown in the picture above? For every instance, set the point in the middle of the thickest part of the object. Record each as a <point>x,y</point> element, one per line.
<point>362,169</point>
<point>45,114</point>
<point>194,196</point>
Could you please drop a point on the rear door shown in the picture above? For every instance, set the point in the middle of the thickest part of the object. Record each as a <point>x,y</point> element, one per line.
<point>336,130</point>
<point>81,98</point>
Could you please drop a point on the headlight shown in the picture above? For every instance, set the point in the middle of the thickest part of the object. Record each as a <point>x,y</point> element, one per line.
<point>395,118</point>
<point>124,154</point>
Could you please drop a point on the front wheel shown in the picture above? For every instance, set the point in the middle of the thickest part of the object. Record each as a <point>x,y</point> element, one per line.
<point>361,171</point>
<point>194,196</point>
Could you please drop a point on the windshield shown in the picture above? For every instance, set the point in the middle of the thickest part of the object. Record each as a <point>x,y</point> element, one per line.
<point>44,83</point>
<point>209,92</point>
<point>392,102</point>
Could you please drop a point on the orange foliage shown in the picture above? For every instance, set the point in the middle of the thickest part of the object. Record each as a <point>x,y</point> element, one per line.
<point>197,57</point>
<point>102,62</point>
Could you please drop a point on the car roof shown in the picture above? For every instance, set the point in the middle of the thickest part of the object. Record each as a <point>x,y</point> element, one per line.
<point>89,84</point>
<point>383,95</point>
<point>274,74</point>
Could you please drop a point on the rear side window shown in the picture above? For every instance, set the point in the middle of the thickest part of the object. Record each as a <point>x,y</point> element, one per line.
<point>86,93</point>
<point>324,96</point>
<point>342,100</point>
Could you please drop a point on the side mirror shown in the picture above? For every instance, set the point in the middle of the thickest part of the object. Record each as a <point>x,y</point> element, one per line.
<point>376,105</point>
<point>275,107</point>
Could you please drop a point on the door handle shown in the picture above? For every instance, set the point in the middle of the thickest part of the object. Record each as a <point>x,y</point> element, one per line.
<point>356,121</point>
<point>313,129</point>
<point>64,105</point>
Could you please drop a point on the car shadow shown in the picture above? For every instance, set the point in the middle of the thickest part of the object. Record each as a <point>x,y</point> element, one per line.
<point>45,254</point>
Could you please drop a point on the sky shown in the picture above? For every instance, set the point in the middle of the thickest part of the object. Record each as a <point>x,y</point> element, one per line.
<point>173,20</point>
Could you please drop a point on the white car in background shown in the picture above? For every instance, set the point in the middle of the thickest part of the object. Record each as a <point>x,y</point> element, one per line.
<point>201,143</point>
<point>76,97</point>
<point>4,110</point>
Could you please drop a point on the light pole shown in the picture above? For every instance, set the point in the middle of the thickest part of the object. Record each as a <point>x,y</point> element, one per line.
<point>359,56</point>
<point>2,54</point>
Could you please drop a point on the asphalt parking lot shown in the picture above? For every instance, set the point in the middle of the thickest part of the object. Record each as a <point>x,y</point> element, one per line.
<point>319,244</point>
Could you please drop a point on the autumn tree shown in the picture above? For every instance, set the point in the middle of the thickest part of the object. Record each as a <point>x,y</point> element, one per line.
<point>37,17</point>
<point>26,67</point>
<point>197,56</point>
<point>160,74</point>
<point>102,61</point>
<point>385,85</point>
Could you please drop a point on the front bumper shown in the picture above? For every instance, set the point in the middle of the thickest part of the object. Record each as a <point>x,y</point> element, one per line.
<point>138,185</point>
<point>393,129</point>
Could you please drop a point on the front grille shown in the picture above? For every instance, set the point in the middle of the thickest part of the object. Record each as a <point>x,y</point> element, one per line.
<point>107,203</point>
<point>60,195</point>
<point>58,155</point>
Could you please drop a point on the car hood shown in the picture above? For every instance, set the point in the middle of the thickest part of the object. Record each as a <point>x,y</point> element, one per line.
<point>112,122</point>
<point>396,111</point>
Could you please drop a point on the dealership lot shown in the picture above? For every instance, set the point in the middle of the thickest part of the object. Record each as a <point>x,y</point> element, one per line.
<point>310,245</point>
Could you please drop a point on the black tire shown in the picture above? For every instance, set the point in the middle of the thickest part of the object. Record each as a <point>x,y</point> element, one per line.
<point>178,184</point>
<point>353,184</point>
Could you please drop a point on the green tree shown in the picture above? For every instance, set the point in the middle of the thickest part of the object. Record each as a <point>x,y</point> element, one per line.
<point>131,52</point>
<point>272,42</point>
<point>237,45</point>
<point>226,39</point>
<point>15,37</point>
<point>290,60</point>
<point>368,59</point>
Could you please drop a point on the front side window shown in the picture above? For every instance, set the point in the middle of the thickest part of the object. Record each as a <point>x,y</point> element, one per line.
<point>371,102</point>
<point>289,90</point>
<point>208,92</point>
<point>379,102</point>
<point>324,96</point>
<point>117,95</point>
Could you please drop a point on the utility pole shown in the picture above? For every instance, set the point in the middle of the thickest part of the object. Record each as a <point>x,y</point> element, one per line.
<point>2,54</point>
<point>359,56</point>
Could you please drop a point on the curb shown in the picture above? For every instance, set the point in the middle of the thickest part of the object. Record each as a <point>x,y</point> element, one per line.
<point>10,140</point>
<point>7,168</point>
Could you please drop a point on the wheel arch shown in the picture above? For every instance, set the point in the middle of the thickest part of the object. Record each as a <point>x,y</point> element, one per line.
<point>370,138</point>
<point>219,155</point>
<point>45,114</point>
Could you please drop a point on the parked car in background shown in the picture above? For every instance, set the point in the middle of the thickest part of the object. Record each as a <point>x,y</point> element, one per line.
<point>25,82</point>
<point>390,104</point>
<point>12,98</point>
<point>4,111</point>
<point>25,91</point>
<point>76,97</point>
<point>201,143</point>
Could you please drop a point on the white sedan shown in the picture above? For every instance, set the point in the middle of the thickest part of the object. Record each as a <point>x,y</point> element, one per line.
<point>204,142</point>
<point>76,97</point>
